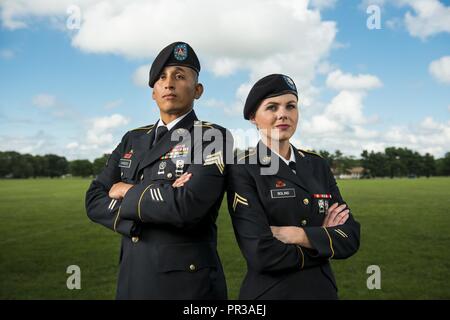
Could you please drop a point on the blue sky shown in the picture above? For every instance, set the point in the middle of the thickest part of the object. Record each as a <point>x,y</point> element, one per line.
<point>76,92</point>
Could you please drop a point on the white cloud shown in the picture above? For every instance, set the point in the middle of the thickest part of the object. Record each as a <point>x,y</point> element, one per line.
<point>440,69</point>
<point>429,124</point>
<point>224,66</point>
<point>342,81</point>
<point>141,75</point>
<point>51,105</point>
<point>44,100</point>
<point>255,36</point>
<point>235,109</point>
<point>344,114</point>
<point>213,103</point>
<point>394,23</point>
<point>113,104</point>
<point>346,107</point>
<point>101,137</point>
<point>428,135</point>
<point>38,143</point>
<point>429,18</point>
<point>72,145</point>
<point>325,67</point>
<point>100,133</point>
<point>103,124</point>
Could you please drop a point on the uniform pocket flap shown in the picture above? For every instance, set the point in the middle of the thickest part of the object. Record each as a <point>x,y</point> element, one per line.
<point>186,257</point>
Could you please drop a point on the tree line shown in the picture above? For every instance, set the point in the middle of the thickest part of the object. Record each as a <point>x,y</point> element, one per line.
<point>393,162</point>
<point>16,165</point>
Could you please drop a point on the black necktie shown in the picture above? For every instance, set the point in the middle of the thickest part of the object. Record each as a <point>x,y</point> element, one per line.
<point>160,132</point>
<point>293,166</point>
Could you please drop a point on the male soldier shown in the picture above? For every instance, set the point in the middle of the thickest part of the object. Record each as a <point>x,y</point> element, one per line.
<point>162,189</point>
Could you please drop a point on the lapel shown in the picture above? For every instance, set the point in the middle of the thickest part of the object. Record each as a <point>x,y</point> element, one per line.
<point>151,154</point>
<point>304,172</point>
<point>283,169</point>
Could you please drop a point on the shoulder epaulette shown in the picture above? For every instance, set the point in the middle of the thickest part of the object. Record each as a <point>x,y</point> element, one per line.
<point>206,124</point>
<point>147,128</point>
<point>311,152</point>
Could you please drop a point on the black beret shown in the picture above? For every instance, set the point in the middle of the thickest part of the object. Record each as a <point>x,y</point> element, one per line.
<point>270,86</point>
<point>175,54</point>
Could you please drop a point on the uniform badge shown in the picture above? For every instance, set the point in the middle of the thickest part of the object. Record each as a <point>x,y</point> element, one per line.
<point>282,193</point>
<point>290,83</point>
<point>321,196</point>
<point>280,184</point>
<point>179,168</point>
<point>180,52</point>
<point>180,150</point>
<point>125,163</point>
<point>128,155</point>
<point>215,159</point>
<point>321,204</point>
<point>162,166</point>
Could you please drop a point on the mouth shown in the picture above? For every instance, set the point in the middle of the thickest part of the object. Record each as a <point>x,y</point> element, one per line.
<point>282,126</point>
<point>169,96</point>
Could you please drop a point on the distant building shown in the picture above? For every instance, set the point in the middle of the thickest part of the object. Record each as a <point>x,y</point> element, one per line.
<point>352,173</point>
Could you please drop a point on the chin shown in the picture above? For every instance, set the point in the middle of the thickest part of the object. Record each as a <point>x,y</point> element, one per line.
<point>173,109</point>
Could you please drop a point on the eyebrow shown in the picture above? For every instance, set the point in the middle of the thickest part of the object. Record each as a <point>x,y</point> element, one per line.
<point>277,103</point>
<point>180,69</point>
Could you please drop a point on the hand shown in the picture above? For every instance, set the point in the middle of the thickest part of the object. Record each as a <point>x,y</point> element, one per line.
<point>336,215</point>
<point>291,235</point>
<point>119,189</point>
<point>182,180</point>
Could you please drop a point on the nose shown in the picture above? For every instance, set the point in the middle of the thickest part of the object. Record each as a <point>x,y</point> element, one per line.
<point>282,114</point>
<point>168,83</point>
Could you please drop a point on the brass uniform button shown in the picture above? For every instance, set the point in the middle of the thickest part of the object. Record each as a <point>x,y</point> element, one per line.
<point>305,201</point>
<point>169,175</point>
<point>303,223</point>
<point>265,160</point>
<point>192,267</point>
<point>121,174</point>
<point>135,239</point>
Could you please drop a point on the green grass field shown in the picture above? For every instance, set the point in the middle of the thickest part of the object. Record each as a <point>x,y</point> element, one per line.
<point>405,227</point>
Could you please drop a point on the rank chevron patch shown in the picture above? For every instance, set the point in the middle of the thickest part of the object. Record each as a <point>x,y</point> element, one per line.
<point>341,233</point>
<point>217,159</point>
<point>239,199</point>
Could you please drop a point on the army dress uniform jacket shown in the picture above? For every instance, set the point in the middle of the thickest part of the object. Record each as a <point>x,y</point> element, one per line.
<point>276,270</point>
<point>169,235</point>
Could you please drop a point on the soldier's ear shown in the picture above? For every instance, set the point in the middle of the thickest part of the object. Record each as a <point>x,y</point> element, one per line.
<point>198,90</point>
<point>252,120</point>
<point>153,94</point>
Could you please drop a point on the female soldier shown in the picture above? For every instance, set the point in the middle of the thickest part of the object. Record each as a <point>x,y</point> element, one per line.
<point>290,222</point>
